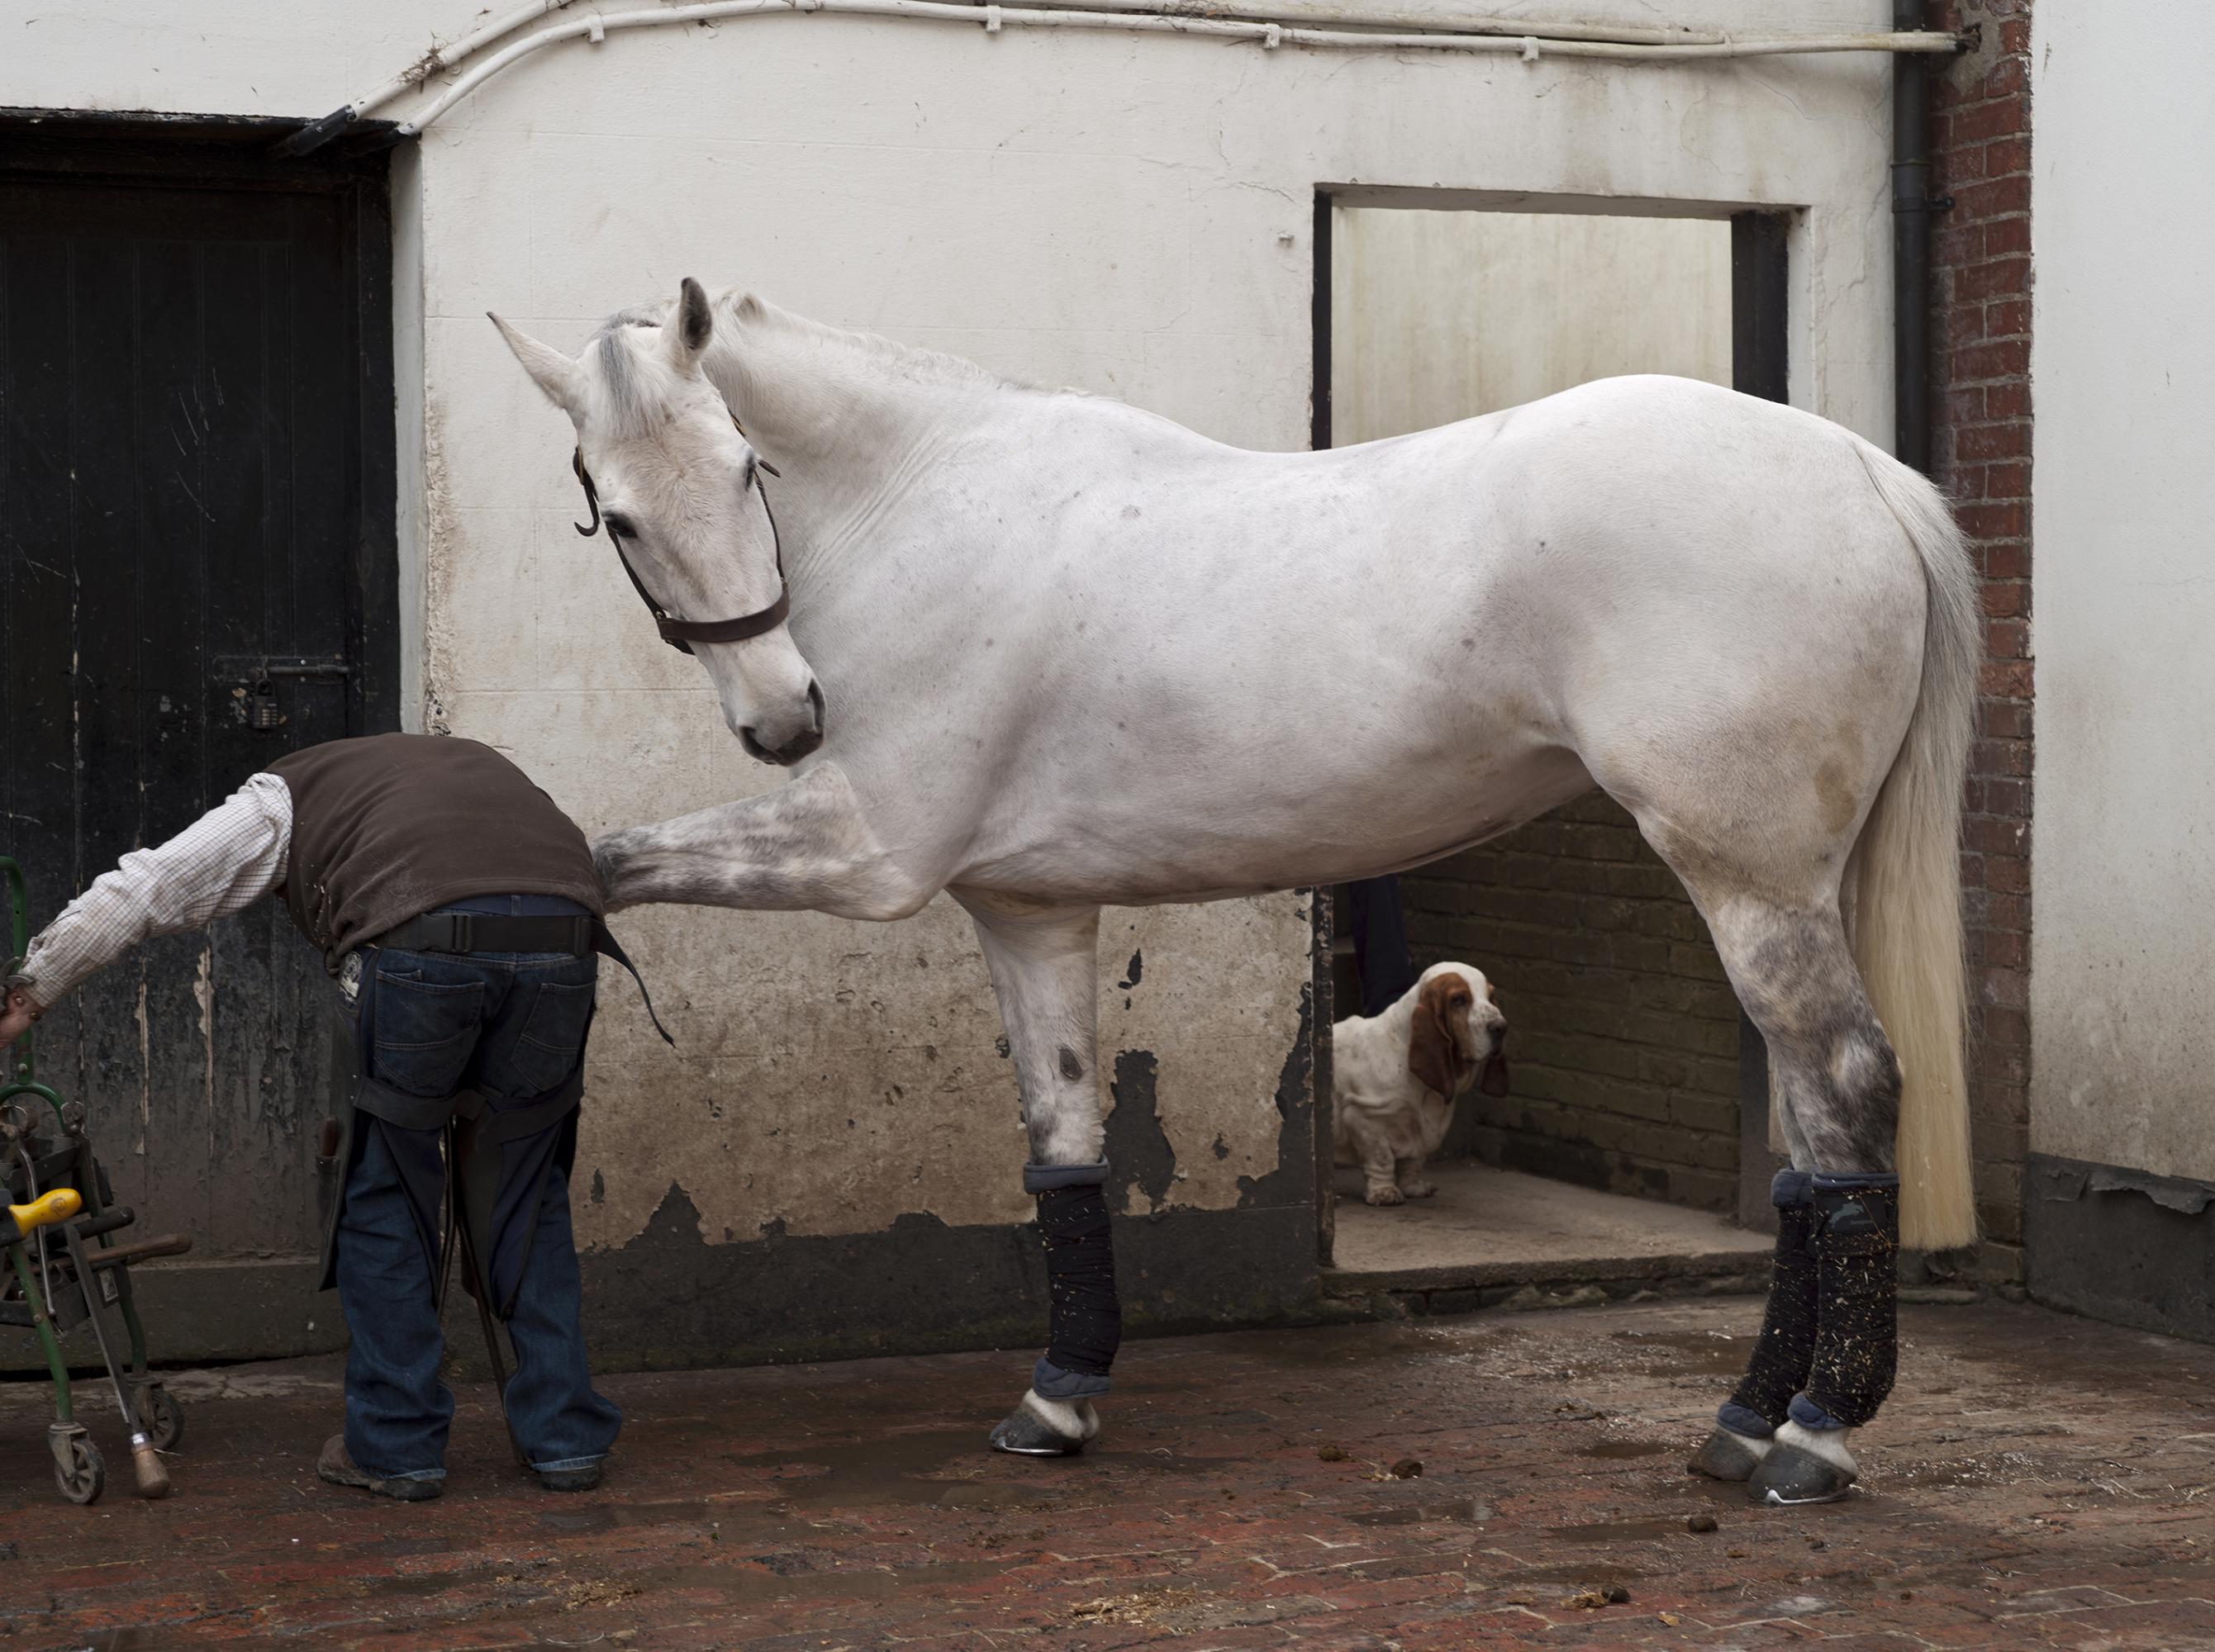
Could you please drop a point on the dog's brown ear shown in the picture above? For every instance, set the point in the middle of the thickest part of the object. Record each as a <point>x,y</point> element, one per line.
<point>1438,1042</point>
<point>1494,1080</point>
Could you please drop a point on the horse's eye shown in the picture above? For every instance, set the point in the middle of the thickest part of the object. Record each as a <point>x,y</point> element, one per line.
<point>620,525</point>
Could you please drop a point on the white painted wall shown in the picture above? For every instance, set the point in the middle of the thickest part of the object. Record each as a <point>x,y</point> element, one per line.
<point>1131,215</point>
<point>2123,587</point>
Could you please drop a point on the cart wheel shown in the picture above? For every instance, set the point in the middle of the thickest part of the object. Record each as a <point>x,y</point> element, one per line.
<point>82,1481</point>
<point>161,1416</point>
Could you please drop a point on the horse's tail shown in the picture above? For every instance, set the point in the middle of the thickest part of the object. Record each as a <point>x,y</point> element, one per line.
<point>1905,925</point>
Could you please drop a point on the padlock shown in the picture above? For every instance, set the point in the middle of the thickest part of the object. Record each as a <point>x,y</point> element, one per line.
<point>261,712</point>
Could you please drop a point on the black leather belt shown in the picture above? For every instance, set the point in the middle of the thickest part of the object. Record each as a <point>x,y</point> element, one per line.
<point>491,932</point>
<point>500,932</point>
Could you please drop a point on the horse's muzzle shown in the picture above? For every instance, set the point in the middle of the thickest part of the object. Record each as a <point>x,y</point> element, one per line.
<point>797,748</point>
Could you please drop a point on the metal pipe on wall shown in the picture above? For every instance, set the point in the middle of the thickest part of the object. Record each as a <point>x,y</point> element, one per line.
<point>1913,208</point>
<point>1354,30</point>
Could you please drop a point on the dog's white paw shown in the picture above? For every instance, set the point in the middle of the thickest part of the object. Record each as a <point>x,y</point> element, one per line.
<point>1386,1195</point>
<point>1418,1190</point>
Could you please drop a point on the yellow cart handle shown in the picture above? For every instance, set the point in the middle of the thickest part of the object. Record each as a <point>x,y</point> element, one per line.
<point>46,1210</point>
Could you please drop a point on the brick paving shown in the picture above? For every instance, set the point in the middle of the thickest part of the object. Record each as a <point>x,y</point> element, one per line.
<point>2042,1482</point>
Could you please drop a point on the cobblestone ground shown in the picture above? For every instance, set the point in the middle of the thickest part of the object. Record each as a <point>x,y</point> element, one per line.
<point>2037,1482</point>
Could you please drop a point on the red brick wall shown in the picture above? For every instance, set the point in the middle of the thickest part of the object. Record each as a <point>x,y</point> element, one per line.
<point>1981,412</point>
<point>1621,1026</point>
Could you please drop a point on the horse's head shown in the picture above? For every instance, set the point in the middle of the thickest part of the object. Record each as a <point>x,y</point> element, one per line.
<point>668,471</point>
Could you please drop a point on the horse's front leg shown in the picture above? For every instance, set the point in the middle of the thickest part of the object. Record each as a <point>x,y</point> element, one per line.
<point>805,846</point>
<point>1044,973</point>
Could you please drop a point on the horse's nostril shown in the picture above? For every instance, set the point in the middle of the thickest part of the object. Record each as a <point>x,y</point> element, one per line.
<point>791,752</point>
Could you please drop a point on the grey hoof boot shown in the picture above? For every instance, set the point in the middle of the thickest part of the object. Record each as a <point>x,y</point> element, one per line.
<point>1791,1474</point>
<point>1046,1428</point>
<point>1724,1455</point>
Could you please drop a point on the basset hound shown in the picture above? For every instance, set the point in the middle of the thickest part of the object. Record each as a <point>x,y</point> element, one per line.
<point>1395,1076</point>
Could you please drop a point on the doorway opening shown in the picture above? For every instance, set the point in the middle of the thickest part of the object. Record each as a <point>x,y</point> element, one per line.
<point>1635,1145</point>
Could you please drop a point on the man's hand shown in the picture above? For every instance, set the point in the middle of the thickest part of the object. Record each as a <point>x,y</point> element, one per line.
<point>17,1014</point>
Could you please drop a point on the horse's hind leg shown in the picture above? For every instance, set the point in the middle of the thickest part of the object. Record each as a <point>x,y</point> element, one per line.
<point>1045,974</point>
<point>1824,1358</point>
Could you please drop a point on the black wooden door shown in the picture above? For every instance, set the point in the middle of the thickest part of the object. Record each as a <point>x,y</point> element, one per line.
<point>195,577</point>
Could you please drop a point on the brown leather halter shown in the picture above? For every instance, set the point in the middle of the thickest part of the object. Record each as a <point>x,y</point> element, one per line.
<point>681,634</point>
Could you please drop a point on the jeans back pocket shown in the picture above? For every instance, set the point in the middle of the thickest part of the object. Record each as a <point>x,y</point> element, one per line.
<point>426,1031</point>
<point>552,1037</point>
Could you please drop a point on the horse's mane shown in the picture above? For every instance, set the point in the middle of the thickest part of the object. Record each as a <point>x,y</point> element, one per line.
<point>909,362</point>
<point>619,374</point>
<point>622,382</point>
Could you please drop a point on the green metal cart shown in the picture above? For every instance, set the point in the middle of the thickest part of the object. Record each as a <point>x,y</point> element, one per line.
<point>63,1268</point>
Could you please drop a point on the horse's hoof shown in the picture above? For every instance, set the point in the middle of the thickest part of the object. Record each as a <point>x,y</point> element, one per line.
<point>1046,1428</point>
<point>1724,1455</point>
<point>1792,1475</point>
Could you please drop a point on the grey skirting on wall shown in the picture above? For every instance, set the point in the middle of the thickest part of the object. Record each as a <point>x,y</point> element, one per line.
<point>2122,1244</point>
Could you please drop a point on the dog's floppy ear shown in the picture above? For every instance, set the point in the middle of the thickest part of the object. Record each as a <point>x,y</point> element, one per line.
<point>1496,1080</point>
<point>1437,1043</point>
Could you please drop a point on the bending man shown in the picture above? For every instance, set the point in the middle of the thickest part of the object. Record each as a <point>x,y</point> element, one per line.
<point>459,910</point>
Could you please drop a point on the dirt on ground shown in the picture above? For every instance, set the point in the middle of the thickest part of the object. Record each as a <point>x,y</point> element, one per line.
<point>1499,1480</point>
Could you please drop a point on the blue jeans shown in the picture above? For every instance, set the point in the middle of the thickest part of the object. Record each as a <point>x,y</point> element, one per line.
<point>511,1026</point>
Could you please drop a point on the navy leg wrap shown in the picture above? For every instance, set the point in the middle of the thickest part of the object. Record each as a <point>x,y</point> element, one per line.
<point>1785,1350</point>
<point>1085,1323</point>
<point>1857,1247</point>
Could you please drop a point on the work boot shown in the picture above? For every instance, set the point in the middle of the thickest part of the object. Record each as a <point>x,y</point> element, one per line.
<point>571,1477</point>
<point>340,1469</point>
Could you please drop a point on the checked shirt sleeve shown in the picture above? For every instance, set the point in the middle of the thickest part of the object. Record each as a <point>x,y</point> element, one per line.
<point>223,862</point>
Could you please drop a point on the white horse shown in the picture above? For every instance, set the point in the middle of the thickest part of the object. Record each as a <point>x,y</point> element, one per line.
<point>1070,653</point>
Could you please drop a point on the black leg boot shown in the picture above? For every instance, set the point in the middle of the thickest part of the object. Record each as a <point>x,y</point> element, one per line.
<point>1857,1342</point>
<point>1784,1350</point>
<point>1085,1319</point>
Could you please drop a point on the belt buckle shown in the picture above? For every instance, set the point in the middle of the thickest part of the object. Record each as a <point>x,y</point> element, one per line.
<point>464,932</point>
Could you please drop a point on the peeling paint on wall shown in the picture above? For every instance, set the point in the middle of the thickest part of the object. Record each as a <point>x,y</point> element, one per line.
<point>1218,1004</point>
<point>830,1074</point>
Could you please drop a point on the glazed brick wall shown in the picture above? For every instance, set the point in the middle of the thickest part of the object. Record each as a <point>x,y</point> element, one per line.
<point>1623,1029</point>
<point>1980,416</point>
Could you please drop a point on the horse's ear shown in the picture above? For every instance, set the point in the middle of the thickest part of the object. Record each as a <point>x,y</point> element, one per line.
<point>561,379</point>
<point>687,332</point>
<point>1438,1044</point>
